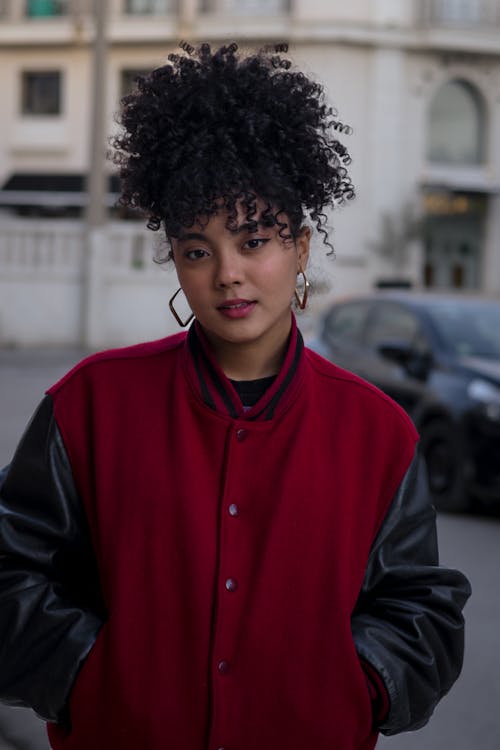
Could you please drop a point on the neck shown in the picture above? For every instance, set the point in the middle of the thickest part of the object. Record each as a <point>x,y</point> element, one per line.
<point>249,361</point>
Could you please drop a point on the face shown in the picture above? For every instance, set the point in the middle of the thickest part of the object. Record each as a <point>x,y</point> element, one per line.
<point>240,283</point>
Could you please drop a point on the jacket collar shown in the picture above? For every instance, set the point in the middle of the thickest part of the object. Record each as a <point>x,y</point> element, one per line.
<point>217,391</point>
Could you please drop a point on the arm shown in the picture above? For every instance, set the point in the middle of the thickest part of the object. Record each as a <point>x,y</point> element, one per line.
<point>50,607</point>
<point>408,623</point>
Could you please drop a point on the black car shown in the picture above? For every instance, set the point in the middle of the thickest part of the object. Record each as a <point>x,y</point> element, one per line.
<point>439,357</point>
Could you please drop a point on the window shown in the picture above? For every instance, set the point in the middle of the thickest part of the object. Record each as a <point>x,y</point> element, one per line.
<point>457,125</point>
<point>41,92</point>
<point>471,329</point>
<point>392,323</point>
<point>347,322</point>
<point>460,12</point>
<point>128,79</point>
<point>149,7</point>
<point>46,8</point>
<point>246,7</point>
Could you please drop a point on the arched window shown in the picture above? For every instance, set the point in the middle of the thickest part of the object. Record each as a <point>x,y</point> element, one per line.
<point>457,125</point>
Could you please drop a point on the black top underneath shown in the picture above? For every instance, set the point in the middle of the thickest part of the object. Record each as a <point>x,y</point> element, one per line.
<point>250,391</point>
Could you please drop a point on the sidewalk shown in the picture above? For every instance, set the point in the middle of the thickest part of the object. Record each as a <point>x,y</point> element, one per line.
<point>24,376</point>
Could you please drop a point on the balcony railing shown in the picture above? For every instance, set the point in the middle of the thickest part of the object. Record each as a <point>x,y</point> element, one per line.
<point>460,13</point>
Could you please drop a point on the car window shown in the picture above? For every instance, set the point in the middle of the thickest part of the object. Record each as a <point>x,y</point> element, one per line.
<point>421,344</point>
<point>468,329</point>
<point>393,322</point>
<point>347,321</point>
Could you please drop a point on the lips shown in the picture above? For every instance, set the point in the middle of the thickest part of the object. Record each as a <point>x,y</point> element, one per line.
<point>233,304</point>
<point>236,308</point>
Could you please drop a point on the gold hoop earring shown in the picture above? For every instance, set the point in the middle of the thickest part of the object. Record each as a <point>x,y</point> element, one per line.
<point>182,323</point>
<point>302,300</point>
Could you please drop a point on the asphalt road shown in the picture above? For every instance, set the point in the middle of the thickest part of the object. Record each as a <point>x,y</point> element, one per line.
<point>467,719</point>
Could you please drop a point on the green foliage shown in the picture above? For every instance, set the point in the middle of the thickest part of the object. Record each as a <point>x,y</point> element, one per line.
<point>398,232</point>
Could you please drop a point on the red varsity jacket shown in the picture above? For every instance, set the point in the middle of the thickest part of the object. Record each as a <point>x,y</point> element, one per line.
<point>232,551</point>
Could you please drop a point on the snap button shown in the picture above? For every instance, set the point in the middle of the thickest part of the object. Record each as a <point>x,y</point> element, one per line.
<point>234,510</point>
<point>241,434</point>
<point>231,584</point>
<point>223,666</point>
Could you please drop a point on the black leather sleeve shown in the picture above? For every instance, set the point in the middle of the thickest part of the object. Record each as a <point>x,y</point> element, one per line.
<point>408,621</point>
<point>50,606</point>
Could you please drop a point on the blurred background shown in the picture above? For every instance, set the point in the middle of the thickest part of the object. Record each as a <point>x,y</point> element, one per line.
<point>419,83</point>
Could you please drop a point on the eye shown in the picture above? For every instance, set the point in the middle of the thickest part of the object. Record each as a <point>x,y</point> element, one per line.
<point>195,253</point>
<point>255,243</point>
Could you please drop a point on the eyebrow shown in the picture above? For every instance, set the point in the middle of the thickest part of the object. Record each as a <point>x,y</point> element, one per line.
<point>191,236</point>
<point>252,226</point>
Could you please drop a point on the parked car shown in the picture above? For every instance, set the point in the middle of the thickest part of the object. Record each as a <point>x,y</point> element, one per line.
<point>438,355</point>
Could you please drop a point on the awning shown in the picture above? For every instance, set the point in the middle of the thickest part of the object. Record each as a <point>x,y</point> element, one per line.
<point>65,190</point>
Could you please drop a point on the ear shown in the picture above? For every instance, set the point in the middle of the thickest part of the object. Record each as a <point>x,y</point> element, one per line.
<point>171,255</point>
<point>302,242</point>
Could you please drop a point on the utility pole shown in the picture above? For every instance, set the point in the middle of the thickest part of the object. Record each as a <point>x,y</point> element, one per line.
<point>187,16</point>
<point>97,210</point>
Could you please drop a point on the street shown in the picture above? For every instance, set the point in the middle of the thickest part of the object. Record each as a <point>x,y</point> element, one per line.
<point>468,719</point>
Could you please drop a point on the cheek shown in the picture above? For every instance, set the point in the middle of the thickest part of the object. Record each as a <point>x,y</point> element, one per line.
<point>279,274</point>
<point>191,287</point>
<point>288,283</point>
<point>194,294</point>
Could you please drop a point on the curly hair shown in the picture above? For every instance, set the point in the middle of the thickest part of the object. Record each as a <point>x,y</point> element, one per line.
<point>211,129</point>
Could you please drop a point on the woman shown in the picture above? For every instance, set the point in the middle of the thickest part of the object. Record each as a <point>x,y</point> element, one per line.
<point>220,540</point>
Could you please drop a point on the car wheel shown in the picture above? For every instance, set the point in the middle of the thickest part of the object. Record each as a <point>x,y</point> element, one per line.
<point>443,456</point>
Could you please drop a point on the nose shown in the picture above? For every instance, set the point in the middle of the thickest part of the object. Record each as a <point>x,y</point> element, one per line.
<point>229,269</point>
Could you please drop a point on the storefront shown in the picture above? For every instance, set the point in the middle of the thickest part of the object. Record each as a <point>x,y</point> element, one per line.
<point>454,234</point>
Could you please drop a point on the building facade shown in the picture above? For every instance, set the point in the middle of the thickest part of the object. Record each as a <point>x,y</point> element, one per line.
<point>418,81</point>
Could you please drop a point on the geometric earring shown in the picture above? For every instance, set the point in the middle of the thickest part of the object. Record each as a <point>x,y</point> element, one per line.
<point>182,323</point>
<point>302,301</point>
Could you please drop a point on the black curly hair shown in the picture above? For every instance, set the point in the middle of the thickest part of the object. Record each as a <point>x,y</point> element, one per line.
<point>211,129</point>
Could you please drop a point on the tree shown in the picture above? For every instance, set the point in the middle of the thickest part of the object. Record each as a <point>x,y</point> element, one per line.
<point>398,232</point>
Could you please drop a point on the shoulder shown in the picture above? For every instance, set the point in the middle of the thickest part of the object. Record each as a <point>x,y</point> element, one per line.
<point>355,395</point>
<point>118,363</point>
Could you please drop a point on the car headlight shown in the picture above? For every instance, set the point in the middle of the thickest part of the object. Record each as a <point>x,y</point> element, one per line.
<point>486,394</point>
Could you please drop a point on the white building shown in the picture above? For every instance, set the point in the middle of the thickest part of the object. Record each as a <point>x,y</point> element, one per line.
<point>418,80</point>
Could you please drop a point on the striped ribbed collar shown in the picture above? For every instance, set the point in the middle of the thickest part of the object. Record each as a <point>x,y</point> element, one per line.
<point>217,391</point>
